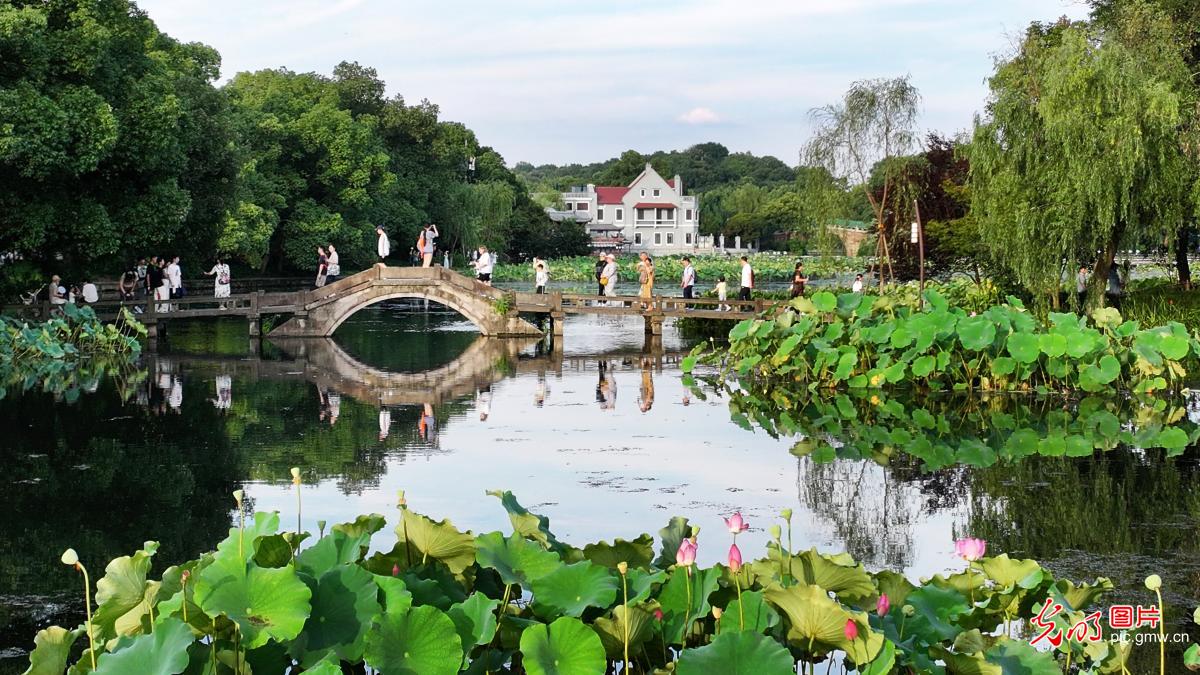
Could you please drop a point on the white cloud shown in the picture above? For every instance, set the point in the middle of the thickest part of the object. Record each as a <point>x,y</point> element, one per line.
<point>700,116</point>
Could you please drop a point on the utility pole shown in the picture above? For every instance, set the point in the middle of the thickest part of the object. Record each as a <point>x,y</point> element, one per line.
<point>918,238</point>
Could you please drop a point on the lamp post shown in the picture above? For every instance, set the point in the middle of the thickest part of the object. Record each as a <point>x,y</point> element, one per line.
<point>918,238</point>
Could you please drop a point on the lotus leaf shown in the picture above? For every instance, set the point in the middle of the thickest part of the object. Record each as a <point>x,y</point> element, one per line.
<point>164,652</point>
<point>475,620</point>
<point>1052,344</point>
<point>121,595</point>
<point>1009,574</point>
<point>923,366</point>
<point>440,541</point>
<point>1024,347</point>
<point>759,616</point>
<point>420,641</point>
<point>637,553</point>
<point>1006,657</point>
<point>824,301</point>
<point>337,548</point>
<point>265,603</point>
<point>845,578</point>
<point>1172,438</point>
<point>976,333</point>
<point>517,560</point>
<point>527,524</point>
<point>571,589</point>
<point>639,584</point>
<point>669,538</point>
<point>51,649</point>
<point>344,600</point>
<point>326,666</point>
<point>612,630</point>
<point>396,596</point>
<point>565,647</point>
<point>816,619</point>
<point>737,653</point>
<point>937,612</point>
<point>674,600</point>
<point>1079,597</point>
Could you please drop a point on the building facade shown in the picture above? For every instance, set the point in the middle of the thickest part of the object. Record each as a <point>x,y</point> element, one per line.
<point>650,214</point>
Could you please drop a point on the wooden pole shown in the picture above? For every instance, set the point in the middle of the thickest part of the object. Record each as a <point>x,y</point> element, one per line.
<point>920,252</point>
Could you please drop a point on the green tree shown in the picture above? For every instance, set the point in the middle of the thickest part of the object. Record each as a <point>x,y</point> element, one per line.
<point>1080,149</point>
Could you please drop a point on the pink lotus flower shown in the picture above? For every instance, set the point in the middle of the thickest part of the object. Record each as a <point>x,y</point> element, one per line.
<point>851,630</point>
<point>736,524</point>
<point>658,615</point>
<point>735,559</point>
<point>686,555</point>
<point>970,549</point>
<point>396,570</point>
<point>883,605</point>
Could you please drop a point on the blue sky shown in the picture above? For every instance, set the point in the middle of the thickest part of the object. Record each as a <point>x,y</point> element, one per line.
<point>550,81</point>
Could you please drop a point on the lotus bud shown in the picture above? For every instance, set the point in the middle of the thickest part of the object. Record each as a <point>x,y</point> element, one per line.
<point>70,558</point>
<point>717,612</point>
<point>658,614</point>
<point>735,559</point>
<point>851,630</point>
<point>295,475</point>
<point>686,555</point>
<point>396,570</point>
<point>786,514</point>
<point>183,578</point>
<point>321,527</point>
<point>238,495</point>
<point>883,605</point>
<point>401,502</point>
<point>695,533</point>
<point>1154,582</point>
<point>776,532</point>
<point>736,523</point>
<point>623,568</point>
<point>909,611</point>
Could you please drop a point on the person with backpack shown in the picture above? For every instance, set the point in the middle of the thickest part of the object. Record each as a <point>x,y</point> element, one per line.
<point>221,284</point>
<point>601,262</point>
<point>688,280</point>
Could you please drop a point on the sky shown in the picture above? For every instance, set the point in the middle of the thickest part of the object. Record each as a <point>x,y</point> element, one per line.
<point>546,81</point>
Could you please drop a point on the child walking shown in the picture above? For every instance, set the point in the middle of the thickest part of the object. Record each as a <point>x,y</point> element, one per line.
<point>722,293</point>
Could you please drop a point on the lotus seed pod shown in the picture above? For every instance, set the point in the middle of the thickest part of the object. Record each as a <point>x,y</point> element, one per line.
<point>717,613</point>
<point>786,514</point>
<point>237,497</point>
<point>776,532</point>
<point>908,610</point>
<point>1154,582</point>
<point>70,557</point>
<point>401,502</point>
<point>623,568</point>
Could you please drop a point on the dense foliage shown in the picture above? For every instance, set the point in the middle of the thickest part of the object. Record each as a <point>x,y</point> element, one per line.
<point>445,601</point>
<point>116,144</point>
<point>861,341</point>
<point>66,353</point>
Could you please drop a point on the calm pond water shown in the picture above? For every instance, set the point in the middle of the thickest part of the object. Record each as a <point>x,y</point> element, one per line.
<point>603,438</point>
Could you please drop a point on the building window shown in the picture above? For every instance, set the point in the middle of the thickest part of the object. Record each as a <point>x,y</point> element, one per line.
<point>600,213</point>
<point>657,192</point>
<point>688,215</point>
<point>657,238</point>
<point>643,192</point>
<point>620,215</point>
<point>581,206</point>
<point>570,206</point>
<point>670,238</point>
<point>641,214</point>
<point>637,238</point>
<point>687,238</point>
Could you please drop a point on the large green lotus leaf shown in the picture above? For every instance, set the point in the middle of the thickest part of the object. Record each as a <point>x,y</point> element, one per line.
<point>421,641</point>
<point>565,647</point>
<point>362,525</point>
<point>516,559</point>
<point>176,594</point>
<point>1009,574</point>
<point>738,653</point>
<point>883,662</point>
<point>51,650</point>
<point>976,333</point>
<point>526,524</point>
<point>843,577</point>
<point>1082,596</point>
<point>433,584</point>
<point>337,548</point>
<point>816,619</point>
<point>475,619</point>
<point>326,666</point>
<point>1109,368</point>
<point>163,652</point>
<point>636,553</point>
<point>344,600</point>
<point>752,613</point>
<point>641,624</point>
<point>1174,347</point>
<point>121,595</point>
<point>1052,344</point>
<point>894,585</point>
<point>395,595</point>
<point>824,301</point>
<point>1006,657</point>
<point>1106,317</point>
<point>639,584</point>
<point>923,366</point>
<point>241,544</point>
<point>571,589</point>
<point>1024,347</point>
<point>440,541</point>
<point>937,612</point>
<point>1172,438</point>
<point>275,550</point>
<point>673,597</point>
<point>265,603</point>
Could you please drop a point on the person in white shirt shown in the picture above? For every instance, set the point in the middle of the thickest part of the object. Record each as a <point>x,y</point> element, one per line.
<point>483,266</point>
<point>747,279</point>
<point>722,293</point>
<point>385,423</point>
<point>609,276</point>
<point>333,266</point>
<point>428,242</point>
<point>57,294</point>
<point>91,294</point>
<point>175,277</point>
<point>541,278</point>
<point>858,284</point>
<point>382,246</point>
<point>688,282</point>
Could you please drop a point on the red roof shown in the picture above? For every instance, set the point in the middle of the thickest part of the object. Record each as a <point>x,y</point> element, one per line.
<point>671,182</point>
<point>610,195</point>
<point>654,205</point>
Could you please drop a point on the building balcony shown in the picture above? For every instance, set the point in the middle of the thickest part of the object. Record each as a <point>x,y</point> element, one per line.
<point>655,223</point>
<point>578,195</point>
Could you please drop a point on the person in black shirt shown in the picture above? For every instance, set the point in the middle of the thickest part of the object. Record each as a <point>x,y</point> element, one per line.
<point>600,265</point>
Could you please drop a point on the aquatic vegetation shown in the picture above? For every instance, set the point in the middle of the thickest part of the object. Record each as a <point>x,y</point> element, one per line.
<point>669,269</point>
<point>445,601</point>
<point>854,341</point>
<point>67,353</point>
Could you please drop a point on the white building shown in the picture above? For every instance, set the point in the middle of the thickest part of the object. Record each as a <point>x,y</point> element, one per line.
<point>651,214</point>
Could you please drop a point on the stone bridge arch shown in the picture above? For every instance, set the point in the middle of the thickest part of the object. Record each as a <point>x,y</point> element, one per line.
<point>326,308</point>
<point>851,238</point>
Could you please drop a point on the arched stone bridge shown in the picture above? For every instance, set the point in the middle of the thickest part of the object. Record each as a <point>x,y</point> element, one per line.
<point>320,311</point>
<point>852,238</point>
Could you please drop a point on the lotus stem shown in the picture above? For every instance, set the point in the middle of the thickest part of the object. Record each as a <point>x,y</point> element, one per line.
<point>903,620</point>
<point>625,619</point>
<point>737,581</point>
<point>1162,634</point>
<point>687,613</point>
<point>1068,670</point>
<point>296,482</point>
<point>184,603</point>
<point>87,601</point>
<point>213,645</point>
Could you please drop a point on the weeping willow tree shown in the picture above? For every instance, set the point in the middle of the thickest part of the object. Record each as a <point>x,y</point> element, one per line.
<point>873,124</point>
<point>1082,149</point>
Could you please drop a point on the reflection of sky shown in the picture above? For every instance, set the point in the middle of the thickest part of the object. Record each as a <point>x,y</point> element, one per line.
<point>599,474</point>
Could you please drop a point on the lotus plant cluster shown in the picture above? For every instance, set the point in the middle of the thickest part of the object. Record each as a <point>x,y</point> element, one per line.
<point>441,600</point>
<point>857,341</point>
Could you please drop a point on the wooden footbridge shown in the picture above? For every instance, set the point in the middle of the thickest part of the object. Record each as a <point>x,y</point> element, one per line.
<point>496,312</point>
